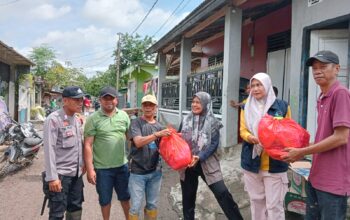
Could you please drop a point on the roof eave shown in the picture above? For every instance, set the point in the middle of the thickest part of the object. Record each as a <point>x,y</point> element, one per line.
<point>203,10</point>
<point>23,59</point>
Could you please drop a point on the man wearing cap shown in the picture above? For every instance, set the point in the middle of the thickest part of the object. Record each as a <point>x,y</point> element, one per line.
<point>329,180</point>
<point>63,148</point>
<point>104,152</point>
<point>145,177</point>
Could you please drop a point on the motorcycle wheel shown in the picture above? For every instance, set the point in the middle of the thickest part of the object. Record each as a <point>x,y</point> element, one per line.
<point>2,137</point>
<point>2,158</point>
<point>8,168</point>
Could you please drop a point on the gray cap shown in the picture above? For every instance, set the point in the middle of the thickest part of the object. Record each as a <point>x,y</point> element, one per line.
<point>324,56</point>
<point>108,91</point>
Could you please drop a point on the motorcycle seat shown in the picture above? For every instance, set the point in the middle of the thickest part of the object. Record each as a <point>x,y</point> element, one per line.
<point>32,141</point>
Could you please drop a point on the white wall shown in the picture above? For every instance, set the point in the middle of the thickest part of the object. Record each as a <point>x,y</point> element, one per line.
<point>12,88</point>
<point>304,16</point>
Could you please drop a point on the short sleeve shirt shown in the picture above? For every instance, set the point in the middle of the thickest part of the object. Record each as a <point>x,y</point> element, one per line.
<point>109,138</point>
<point>330,169</point>
<point>145,159</point>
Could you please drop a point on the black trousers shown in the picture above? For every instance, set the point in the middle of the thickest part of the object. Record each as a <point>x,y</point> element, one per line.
<point>221,193</point>
<point>69,199</point>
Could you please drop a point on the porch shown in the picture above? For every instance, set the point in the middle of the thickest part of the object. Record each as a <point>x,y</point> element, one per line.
<point>216,49</point>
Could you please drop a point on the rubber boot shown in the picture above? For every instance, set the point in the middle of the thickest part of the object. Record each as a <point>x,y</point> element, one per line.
<point>76,215</point>
<point>133,217</point>
<point>150,214</point>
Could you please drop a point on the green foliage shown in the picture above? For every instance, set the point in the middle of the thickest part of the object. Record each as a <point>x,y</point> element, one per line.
<point>54,73</point>
<point>133,49</point>
<point>42,56</point>
<point>64,76</point>
<point>35,111</point>
<point>26,79</point>
<point>100,80</point>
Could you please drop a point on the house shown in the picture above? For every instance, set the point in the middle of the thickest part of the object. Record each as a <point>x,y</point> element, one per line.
<point>143,79</point>
<point>12,66</point>
<point>222,41</point>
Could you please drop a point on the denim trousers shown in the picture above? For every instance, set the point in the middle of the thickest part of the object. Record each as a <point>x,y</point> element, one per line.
<point>146,185</point>
<point>322,205</point>
<point>189,190</point>
<point>116,178</point>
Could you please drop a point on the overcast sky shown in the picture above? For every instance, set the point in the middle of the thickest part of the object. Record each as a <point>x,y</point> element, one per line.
<point>85,31</point>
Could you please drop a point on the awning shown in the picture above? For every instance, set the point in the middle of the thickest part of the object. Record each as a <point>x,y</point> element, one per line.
<point>146,69</point>
<point>9,56</point>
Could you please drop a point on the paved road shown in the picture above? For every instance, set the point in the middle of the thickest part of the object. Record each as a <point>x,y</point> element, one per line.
<point>21,196</point>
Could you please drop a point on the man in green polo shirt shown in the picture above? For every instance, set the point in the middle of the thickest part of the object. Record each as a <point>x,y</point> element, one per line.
<point>104,152</point>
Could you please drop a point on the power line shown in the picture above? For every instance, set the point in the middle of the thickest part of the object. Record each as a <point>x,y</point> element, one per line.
<point>90,54</point>
<point>9,3</point>
<point>144,18</point>
<point>88,61</point>
<point>95,65</point>
<point>160,28</point>
<point>182,8</point>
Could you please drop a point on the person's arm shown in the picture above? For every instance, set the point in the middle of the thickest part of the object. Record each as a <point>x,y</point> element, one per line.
<point>244,132</point>
<point>88,159</point>
<point>128,122</point>
<point>235,104</point>
<point>204,154</point>
<point>141,141</point>
<point>89,138</point>
<point>50,140</point>
<point>338,138</point>
<point>289,113</point>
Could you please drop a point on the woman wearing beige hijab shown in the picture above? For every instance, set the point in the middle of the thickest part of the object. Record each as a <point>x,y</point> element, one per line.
<point>265,179</point>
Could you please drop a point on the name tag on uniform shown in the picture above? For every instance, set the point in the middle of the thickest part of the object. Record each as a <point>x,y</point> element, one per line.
<point>68,131</point>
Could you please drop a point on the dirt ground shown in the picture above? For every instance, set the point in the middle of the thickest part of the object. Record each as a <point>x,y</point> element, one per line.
<point>21,196</point>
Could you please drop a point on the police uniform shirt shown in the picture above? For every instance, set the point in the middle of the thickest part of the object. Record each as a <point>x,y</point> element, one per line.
<point>63,145</point>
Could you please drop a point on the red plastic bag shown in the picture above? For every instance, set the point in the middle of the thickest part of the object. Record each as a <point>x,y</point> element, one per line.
<point>275,134</point>
<point>175,151</point>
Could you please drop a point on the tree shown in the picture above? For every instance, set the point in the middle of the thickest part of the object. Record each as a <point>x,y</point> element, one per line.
<point>52,72</point>
<point>133,50</point>
<point>43,57</point>
<point>100,80</point>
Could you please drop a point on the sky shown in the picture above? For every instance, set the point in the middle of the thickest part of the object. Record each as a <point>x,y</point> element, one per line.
<point>84,32</point>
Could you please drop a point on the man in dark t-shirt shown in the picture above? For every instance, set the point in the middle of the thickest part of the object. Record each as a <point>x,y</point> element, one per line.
<point>145,173</point>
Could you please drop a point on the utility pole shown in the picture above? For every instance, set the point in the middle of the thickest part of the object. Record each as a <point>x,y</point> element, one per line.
<point>117,62</point>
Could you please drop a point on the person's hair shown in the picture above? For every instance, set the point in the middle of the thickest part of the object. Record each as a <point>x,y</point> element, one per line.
<point>275,90</point>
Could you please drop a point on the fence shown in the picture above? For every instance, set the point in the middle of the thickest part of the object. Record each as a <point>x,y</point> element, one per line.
<point>209,81</point>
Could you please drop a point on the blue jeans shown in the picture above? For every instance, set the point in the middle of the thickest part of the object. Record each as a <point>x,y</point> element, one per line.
<point>141,185</point>
<point>322,205</point>
<point>107,179</point>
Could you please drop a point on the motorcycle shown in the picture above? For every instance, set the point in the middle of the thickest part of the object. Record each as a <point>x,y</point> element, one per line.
<point>25,144</point>
<point>49,110</point>
<point>5,124</point>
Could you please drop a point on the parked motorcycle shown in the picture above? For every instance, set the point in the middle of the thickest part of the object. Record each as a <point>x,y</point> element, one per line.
<point>49,110</point>
<point>5,124</point>
<point>25,144</point>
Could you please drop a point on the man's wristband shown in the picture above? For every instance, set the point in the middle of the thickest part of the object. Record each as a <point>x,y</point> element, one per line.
<point>155,135</point>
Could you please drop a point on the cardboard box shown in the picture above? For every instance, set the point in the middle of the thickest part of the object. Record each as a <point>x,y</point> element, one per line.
<point>300,173</point>
<point>295,203</point>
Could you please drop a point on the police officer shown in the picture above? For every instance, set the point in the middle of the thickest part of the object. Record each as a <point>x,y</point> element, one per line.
<point>64,157</point>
